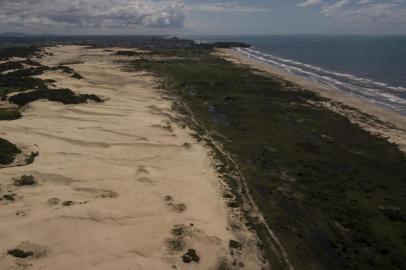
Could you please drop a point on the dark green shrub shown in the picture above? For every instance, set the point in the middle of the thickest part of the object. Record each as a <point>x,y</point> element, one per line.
<point>25,180</point>
<point>64,96</point>
<point>8,151</point>
<point>9,114</point>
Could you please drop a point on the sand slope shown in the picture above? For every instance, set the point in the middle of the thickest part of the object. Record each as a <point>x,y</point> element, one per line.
<point>131,175</point>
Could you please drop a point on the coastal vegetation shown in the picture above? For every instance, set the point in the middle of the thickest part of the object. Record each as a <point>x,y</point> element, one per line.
<point>25,180</point>
<point>18,51</point>
<point>64,96</point>
<point>330,191</point>
<point>228,45</point>
<point>8,151</point>
<point>19,87</point>
<point>11,84</point>
<point>14,77</point>
<point>128,53</point>
<point>9,114</point>
<point>20,80</point>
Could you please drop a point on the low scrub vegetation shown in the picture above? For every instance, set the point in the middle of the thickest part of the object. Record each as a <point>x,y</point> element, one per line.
<point>332,192</point>
<point>17,51</point>
<point>18,86</point>
<point>8,151</point>
<point>9,114</point>
<point>130,53</point>
<point>64,96</point>
<point>12,65</point>
<point>25,180</point>
<point>10,84</point>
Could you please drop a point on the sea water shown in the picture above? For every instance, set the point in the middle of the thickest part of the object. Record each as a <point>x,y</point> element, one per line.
<point>370,67</point>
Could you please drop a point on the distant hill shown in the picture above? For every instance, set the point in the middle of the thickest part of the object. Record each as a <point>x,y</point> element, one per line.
<point>15,34</point>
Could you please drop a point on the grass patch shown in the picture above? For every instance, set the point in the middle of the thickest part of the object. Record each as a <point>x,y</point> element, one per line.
<point>320,180</point>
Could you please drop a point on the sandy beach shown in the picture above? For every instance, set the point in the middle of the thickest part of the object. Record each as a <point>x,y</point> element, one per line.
<point>384,122</point>
<point>120,186</point>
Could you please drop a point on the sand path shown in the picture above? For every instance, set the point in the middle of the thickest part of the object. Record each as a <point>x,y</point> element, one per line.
<point>131,175</point>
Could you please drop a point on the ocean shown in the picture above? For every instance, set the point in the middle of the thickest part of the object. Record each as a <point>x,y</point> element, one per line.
<point>370,67</point>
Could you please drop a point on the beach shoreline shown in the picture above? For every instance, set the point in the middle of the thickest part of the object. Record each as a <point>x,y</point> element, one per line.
<point>394,129</point>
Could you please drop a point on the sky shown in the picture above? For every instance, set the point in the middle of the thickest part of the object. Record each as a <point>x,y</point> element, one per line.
<point>211,17</point>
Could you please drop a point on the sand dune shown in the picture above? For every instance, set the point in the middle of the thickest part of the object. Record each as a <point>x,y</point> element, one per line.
<point>119,185</point>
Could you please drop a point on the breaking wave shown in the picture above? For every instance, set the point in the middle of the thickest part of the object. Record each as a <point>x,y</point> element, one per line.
<point>393,97</point>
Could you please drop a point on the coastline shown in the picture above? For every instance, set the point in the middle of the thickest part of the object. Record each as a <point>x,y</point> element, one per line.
<point>388,123</point>
<point>183,138</point>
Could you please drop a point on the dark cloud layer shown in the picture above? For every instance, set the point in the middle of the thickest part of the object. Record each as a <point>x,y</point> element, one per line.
<point>92,13</point>
<point>205,16</point>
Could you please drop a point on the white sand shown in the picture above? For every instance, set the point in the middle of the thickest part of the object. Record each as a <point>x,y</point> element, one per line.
<point>117,161</point>
<point>394,132</point>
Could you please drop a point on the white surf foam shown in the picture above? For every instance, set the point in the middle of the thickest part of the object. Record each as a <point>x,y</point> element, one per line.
<point>379,92</point>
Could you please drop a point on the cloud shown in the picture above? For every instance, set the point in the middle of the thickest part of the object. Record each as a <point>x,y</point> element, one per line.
<point>231,7</point>
<point>378,13</point>
<point>366,12</point>
<point>332,9</point>
<point>309,3</point>
<point>363,2</point>
<point>93,13</point>
<point>109,14</point>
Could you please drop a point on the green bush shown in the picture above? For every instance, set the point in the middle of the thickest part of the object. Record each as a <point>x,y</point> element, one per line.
<point>9,114</point>
<point>8,151</point>
<point>64,96</point>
